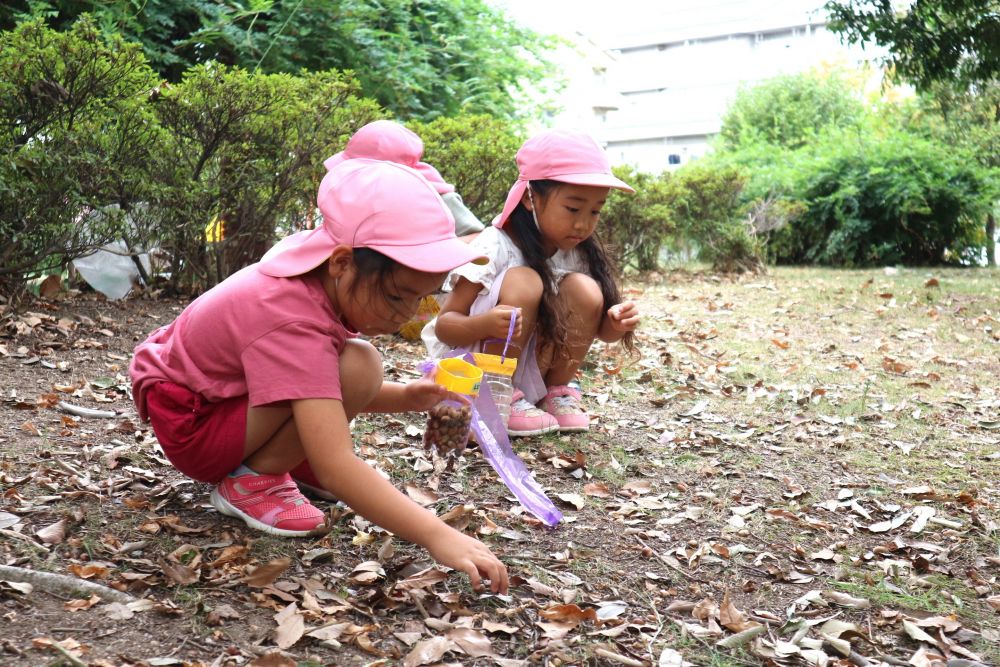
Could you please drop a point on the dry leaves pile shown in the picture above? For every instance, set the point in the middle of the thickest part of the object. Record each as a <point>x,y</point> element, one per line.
<point>786,476</point>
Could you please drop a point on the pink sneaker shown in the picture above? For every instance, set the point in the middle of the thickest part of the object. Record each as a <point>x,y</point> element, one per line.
<point>526,419</point>
<point>563,403</point>
<point>271,503</point>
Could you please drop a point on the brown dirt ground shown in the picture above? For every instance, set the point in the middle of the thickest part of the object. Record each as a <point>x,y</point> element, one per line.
<point>104,478</point>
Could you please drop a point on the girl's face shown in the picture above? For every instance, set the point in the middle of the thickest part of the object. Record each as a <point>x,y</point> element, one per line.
<point>374,304</point>
<point>568,215</point>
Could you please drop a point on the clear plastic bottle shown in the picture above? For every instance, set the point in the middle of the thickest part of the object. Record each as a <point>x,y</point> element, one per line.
<point>498,374</point>
<point>449,422</point>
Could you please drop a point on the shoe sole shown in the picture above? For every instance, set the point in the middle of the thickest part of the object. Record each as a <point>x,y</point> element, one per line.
<point>227,508</point>
<point>574,429</point>
<point>537,431</point>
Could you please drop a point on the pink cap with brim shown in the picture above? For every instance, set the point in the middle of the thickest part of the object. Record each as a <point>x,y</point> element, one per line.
<point>380,205</point>
<point>566,156</point>
<point>390,141</point>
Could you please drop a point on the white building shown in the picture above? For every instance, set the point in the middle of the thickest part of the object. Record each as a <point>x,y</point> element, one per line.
<point>680,68</point>
<point>674,66</point>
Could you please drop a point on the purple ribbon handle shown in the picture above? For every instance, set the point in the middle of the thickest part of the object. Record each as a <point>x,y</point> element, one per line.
<point>510,334</point>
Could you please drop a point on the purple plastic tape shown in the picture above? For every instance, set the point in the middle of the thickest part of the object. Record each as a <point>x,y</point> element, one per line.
<point>495,445</point>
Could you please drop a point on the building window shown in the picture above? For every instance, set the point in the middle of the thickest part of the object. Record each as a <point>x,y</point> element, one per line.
<point>673,158</point>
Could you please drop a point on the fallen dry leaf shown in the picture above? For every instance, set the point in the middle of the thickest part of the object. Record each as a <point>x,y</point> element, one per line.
<point>268,573</point>
<point>291,626</point>
<point>474,644</point>
<point>428,651</point>
<point>569,612</point>
<point>78,605</point>
<point>54,533</point>
<point>272,660</point>
<point>574,499</point>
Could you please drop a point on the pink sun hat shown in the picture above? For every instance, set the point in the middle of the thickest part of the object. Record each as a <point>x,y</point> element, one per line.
<point>567,156</point>
<point>390,141</point>
<point>380,205</point>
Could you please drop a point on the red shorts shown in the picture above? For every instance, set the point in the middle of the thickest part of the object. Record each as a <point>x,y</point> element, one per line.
<point>205,440</point>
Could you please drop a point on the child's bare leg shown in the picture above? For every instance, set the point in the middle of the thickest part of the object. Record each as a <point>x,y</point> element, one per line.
<point>522,288</point>
<point>272,442</point>
<point>584,308</point>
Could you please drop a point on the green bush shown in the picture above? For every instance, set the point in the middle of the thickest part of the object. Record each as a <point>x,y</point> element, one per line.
<point>76,137</point>
<point>886,198</point>
<point>855,185</point>
<point>245,149</point>
<point>475,153</point>
<point>708,209</point>
<point>635,227</point>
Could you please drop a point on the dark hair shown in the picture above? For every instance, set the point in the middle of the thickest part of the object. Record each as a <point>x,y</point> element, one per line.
<point>526,236</point>
<point>373,266</point>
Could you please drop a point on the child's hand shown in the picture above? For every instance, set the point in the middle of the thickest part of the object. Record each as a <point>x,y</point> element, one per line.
<point>461,552</point>
<point>624,316</point>
<point>422,395</point>
<point>498,322</point>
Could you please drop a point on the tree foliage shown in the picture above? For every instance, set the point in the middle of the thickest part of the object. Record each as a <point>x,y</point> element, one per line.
<point>418,58</point>
<point>244,150</point>
<point>788,111</point>
<point>929,41</point>
<point>475,153</point>
<point>635,227</point>
<point>884,184</point>
<point>76,137</point>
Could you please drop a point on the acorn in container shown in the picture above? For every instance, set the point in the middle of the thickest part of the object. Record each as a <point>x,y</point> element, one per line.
<point>450,421</point>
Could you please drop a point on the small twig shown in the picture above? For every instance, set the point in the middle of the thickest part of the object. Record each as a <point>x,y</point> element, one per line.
<point>663,559</point>
<point>617,657</point>
<point>418,604</point>
<point>188,641</point>
<point>765,621</point>
<point>659,628</point>
<point>80,411</point>
<point>857,659</point>
<point>69,656</point>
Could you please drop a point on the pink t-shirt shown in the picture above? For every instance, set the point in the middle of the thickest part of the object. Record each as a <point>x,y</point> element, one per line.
<point>270,339</point>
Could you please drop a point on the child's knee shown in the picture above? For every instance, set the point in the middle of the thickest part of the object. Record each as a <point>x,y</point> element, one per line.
<point>582,294</point>
<point>360,372</point>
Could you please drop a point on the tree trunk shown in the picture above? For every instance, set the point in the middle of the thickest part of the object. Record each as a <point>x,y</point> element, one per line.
<point>991,240</point>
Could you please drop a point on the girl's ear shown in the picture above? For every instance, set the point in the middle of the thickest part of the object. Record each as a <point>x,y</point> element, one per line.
<point>526,200</point>
<point>340,262</point>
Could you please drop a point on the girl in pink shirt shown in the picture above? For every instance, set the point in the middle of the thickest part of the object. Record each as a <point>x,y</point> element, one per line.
<point>261,375</point>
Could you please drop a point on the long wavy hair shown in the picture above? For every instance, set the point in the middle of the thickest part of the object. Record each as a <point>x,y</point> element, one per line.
<point>552,315</point>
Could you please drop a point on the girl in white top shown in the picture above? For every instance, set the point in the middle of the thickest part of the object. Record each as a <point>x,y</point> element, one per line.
<point>547,265</point>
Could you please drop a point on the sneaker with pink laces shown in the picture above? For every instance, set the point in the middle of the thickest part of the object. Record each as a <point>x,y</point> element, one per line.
<point>526,419</point>
<point>563,403</point>
<point>271,503</point>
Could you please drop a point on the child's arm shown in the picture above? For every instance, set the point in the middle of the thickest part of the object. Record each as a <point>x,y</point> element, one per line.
<point>416,396</point>
<point>457,328</point>
<point>326,438</point>
<point>618,321</point>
